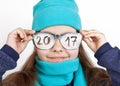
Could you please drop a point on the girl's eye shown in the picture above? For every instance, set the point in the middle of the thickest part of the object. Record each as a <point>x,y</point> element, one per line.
<point>71,40</point>
<point>43,40</point>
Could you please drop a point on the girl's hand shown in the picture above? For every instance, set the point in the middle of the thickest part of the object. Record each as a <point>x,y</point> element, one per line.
<point>19,38</point>
<point>93,39</point>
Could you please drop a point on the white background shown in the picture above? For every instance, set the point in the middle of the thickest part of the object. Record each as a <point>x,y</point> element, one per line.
<point>102,15</point>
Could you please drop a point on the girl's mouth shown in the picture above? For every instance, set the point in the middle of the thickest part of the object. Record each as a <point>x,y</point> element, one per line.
<point>57,59</point>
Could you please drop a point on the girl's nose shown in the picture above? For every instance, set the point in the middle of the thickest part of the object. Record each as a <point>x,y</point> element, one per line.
<point>57,46</point>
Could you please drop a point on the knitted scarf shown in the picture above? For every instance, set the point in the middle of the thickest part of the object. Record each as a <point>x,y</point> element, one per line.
<point>59,73</point>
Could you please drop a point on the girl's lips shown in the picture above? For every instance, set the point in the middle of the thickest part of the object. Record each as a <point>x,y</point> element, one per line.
<point>57,59</point>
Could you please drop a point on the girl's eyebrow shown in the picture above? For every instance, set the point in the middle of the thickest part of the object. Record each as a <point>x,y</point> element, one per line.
<point>44,32</point>
<point>57,34</point>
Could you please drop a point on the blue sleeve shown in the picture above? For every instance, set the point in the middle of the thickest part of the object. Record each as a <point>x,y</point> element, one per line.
<point>8,58</point>
<point>109,58</point>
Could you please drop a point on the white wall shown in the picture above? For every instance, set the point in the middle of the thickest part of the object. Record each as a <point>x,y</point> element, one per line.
<point>102,15</point>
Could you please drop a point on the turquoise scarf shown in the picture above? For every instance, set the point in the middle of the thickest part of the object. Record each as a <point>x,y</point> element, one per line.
<point>59,74</point>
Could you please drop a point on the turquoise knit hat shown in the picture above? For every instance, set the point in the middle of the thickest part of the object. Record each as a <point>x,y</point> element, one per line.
<point>55,12</point>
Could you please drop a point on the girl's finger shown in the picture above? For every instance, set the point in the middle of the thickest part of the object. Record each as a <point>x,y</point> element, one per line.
<point>91,33</point>
<point>29,32</point>
<point>19,32</point>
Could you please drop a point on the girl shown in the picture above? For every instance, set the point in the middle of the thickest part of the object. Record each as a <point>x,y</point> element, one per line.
<point>59,58</point>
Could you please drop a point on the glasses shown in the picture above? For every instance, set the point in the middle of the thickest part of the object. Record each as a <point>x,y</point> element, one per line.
<point>45,40</point>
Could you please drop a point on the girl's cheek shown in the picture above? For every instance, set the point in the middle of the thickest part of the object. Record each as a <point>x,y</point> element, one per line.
<point>73,53</point>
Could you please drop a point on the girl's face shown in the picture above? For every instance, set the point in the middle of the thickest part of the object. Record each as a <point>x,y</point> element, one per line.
<point>57,53</point>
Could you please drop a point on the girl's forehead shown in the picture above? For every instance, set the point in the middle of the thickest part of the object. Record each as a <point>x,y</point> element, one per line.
<point>59,29</point>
